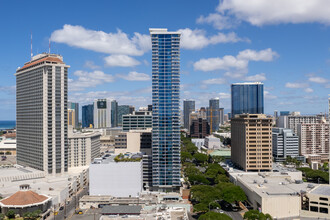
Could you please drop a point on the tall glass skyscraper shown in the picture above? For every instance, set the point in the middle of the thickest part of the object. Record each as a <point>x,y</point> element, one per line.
<point>188,107</point>
<point>166,163</point>
<point>87,115</point>
<point>114,113</point>
<point>247,98</point>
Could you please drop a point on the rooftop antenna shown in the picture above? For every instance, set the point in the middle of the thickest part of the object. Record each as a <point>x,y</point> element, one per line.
<point>31,46</point>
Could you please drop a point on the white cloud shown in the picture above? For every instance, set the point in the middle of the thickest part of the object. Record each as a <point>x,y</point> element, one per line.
<point>89,79</point>
<point>256,78</point>
<point>215,81</point>
<point>10,90</point>
<point>197,39</point>
<point>120,60</point>
<point>296,85</point>
<point>99,41</point>
<point>265,12</point>
<point>223,95</point>
<point>308,90</point>
<point>218,21</point>
<point>225,63</point>
<point>269,96</point>
<point>262,55</point>
<point>237,67</point>
<point>134,76</point>
<point>317,79</point>
<point>91,65</point>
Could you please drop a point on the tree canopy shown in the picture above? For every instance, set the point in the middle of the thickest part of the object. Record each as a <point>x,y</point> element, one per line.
<point>214,216</point>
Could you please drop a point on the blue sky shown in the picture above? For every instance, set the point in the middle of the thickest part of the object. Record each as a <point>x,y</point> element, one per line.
<point>283,43</point>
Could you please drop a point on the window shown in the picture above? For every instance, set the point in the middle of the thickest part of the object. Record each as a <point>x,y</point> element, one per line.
<point>323,210</point>
<point>323,198</point>
<point>314,209</point>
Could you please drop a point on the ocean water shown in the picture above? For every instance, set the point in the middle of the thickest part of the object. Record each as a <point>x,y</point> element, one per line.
<point>7,124</point>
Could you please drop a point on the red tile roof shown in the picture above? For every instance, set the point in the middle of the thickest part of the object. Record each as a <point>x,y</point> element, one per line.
<point>50,59</point>
<point>22,198</point>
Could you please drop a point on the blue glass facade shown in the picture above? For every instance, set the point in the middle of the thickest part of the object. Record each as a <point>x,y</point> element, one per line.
<point>114,113</point>
<point>87,115</point>
<point>166,163</point>
<point>247,98</point>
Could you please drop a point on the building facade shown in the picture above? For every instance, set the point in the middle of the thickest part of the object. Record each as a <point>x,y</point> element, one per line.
<point>75,106</point>
<point>88,116</point>
<point>213,114</point>
<point>199,128</point>
<point>71,117</point>
<point>137,120</point>
<point>102,116</point>
<point>247,98</point>
<point>285,143</point>
<point>41,113</point>
<point>188,107</point>
<point>114,113</point>
<point>83,148</point>
<point>314,139</point>
<point>251,142</point>
<point>166,164</point>
<point>122,110</point>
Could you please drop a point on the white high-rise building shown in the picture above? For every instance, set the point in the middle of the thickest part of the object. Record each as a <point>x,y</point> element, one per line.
<point>41,113</point>
<point>285,143</point>
<point>102,113</point>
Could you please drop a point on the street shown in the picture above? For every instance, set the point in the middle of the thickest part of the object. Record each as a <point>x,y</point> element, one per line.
<point>69,209</point>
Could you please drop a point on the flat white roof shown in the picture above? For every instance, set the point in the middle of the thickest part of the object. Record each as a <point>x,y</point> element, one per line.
<point>248,83</point>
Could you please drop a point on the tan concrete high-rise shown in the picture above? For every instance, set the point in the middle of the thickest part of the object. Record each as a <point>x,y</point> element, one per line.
<point>251,142</point>
<point>71,117</point>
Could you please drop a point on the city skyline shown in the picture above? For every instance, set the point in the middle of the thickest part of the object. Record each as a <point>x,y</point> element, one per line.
<point>116,65</point>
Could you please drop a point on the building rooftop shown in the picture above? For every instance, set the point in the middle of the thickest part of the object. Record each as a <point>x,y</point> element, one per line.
<point>321,190</point>
<point>122,209</point>
<point>24,198</point>
<point>273,184</point>
<point>248,83</point>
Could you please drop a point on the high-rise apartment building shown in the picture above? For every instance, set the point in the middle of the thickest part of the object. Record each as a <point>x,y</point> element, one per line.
<point>294,121</point>
<point>285,143</point>
<point>102,113</point>
<point>75,106</point>
<point>251,142</point>
<point>213,114</point>
<point>166,164</point>
<point>188,107</point>
<point>88,116</point>
<point>314,138</point>
<point>247,98</point>
<point>138,120</point>
<point>41,113</point>
<point>114,113</point>
<point>71,117</point>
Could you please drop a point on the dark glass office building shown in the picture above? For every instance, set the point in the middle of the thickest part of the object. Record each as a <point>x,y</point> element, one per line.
<point>166,166</point>
<point>247,98</point>
<point>188,107</point>
<point>114,113</point>
<point>213,114</point>
<point>87,115</point>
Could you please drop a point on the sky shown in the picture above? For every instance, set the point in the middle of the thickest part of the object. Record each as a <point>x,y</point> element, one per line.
<point>283,43</point>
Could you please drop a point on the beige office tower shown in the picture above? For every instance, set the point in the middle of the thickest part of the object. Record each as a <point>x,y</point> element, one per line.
<point>251,142</point>
<point>41,113</point>
<point>71,117</point>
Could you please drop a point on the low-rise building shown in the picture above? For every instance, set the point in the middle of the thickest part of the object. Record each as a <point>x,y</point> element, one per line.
<point>138,120</point>
<point>212,143</point>
<point>278,194</point>
<point>25,201</point>
<point>8,146</point>
<point>198,142</point>
<point>315,203</point>
<point>120,179</point>
<point>83,148</point>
